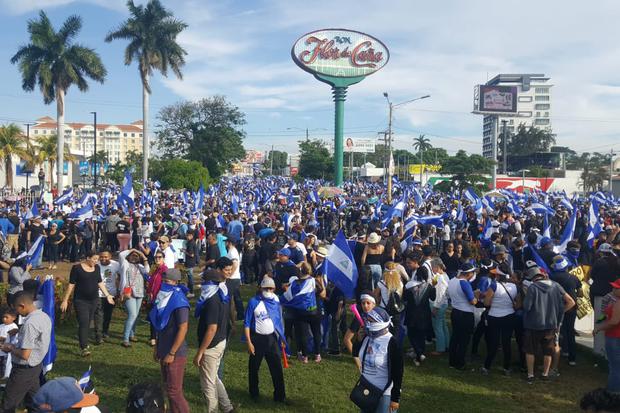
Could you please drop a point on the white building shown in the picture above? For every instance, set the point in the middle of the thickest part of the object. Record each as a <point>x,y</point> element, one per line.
<point>116,140</point>
<point>533,107</point>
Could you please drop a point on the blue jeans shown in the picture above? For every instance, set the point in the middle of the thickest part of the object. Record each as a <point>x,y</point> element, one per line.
<point>377,274</point>
<point>384,405</point>
<point>190,280</point>
<point>612,347</point>
<point>440,327</point>
<point>132,305</point>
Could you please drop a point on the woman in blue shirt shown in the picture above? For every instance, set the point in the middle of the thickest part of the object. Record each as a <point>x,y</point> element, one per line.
<point>463,301</point>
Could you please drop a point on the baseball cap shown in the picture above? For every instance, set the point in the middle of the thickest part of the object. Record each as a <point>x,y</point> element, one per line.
<point>285,251</point>
<point>61,394</point>
<point>267,283</point>
<point>606,248</point>
<point>172,274</point>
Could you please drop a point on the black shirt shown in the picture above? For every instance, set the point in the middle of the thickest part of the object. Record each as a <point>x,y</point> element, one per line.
<point>86,283</point>
<point>122,227</point>
<point>568,281</point>
<point>35,231</point>
<point>283,272</point>
<point>214,311</point>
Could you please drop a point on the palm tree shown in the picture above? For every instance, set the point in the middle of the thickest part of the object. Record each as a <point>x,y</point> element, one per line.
<point>152,34</point>
<point>102,159</point>
<point>12,142</point>
<point>54,62</point>
<point>48,149</point>
<point>421,143</point>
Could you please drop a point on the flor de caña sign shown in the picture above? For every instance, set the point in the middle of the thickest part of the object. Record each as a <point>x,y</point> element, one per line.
<point>339,53</point>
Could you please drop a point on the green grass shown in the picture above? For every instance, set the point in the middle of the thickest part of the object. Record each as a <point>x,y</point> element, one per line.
<point>324,387</point>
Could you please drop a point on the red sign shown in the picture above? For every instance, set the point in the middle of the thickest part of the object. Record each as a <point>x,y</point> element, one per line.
<point>294,171</point>
<point>518,184</point>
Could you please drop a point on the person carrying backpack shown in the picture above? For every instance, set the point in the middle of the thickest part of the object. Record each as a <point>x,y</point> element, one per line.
<point>389,293</point>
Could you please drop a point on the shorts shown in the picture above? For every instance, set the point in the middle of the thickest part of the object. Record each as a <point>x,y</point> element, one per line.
<point>539,340</point>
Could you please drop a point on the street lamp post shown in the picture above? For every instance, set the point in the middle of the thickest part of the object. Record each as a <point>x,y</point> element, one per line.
<point>391,110</point>
<point>611,171</point>
<point>95,150</point>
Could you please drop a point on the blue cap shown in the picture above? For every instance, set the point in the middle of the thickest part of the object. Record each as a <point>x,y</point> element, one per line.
<point>544,241</point>
<point>285,251</point>
<point>62,394</point>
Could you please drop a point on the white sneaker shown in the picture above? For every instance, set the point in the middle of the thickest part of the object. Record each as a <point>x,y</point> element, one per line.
<point>422,357</point>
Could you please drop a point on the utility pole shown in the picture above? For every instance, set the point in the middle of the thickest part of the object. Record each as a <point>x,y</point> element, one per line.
<point>389,182</point>
<point>504,147</point>
<point>494,153</point>
<point>95,150</point>
<point>611,170</point>
<point>28,144</point>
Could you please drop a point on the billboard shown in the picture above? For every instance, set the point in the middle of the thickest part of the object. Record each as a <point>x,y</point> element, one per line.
<point>359,145</point>
<point>527,183</point>
<point>339,53</point>
<point>417,168</point>
<point>497,99</point>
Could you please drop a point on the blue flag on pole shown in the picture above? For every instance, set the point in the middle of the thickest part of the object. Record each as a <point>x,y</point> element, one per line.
<point>84,381</point>
<point>340,266</point>
<point>64,198</point>
<point>568,233</point>
<point>46,296</point>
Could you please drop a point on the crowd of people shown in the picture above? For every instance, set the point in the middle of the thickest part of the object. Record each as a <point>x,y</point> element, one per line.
<point>435,274</point>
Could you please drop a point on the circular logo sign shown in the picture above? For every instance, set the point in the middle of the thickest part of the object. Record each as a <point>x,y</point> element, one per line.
<point>339,53</point>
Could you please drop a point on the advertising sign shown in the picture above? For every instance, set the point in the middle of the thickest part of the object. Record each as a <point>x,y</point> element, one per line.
<point>339,53</point>
<point>527,184</point>
<point>22,170</point>
<point>498,99</point>
<point>417,168</point>
<point>83,168</point>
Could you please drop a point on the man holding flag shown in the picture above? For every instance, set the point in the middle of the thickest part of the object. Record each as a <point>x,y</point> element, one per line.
<point>170,318</point>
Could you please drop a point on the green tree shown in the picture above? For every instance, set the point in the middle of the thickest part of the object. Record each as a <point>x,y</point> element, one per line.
<point>102,159</point>
<point>133,162</point>
<point>315,160</point>
<point>595,170</point>
<point>152,33</point>
<point>48,148</point>
<point>530,140</point>
<point>280,161</point>
<point>179,173</point>
<point>12,143</point>
<point>421,144</point>
<point>54,62</point>
<point>466,170</point>
<point>207,131</point>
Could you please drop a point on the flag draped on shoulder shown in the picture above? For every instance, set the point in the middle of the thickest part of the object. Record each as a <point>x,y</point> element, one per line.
<point>168,299</point>
<point>46,297</point>
<point>207,290</point>
<point>340,266</point>
<point>300,295</point>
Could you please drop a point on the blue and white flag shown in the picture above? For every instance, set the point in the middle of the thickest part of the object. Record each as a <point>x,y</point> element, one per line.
<point>46,297</point>
<point>83,213</point>
<point>409,227</point>
<point>33,212</point>
<point>127,195</point>
<point>207,290</point>
<point>85,380</point>
<point>568,233</point>
<point>435,220</point>
<point>199,200</point>
<point>340,266</point>
<point>64,198</point>
<point>35,251</point>
<point>169,298</point>
<point>471,195</point>
<point>541,208</point>
<point>395,211</point>
<point>594,226</point>
<point>538,259</point>
<point>300,295</point>
<point>488,230</point>
<point>546,227</point>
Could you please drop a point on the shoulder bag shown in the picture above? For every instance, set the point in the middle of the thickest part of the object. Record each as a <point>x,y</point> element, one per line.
<point>366,395</point>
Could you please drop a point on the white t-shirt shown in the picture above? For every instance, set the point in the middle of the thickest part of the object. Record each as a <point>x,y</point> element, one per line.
<point>4,333</point>
<point>169,257</point>
<point>110,275</point>
<point>233,254</point>
<point>375,368</point>
<point>501,305</point>
<point>264,324</point>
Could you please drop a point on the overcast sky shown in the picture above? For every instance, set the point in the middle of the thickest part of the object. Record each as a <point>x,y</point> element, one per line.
<point>241,49</point>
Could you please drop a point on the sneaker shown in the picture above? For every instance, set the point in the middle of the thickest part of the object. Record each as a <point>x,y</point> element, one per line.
<point>544,378</point>
<point>484,371</point>
<point>99,341</point>
<point>572,363</point>
<point>416,363</point>
<point>422,357</point>
<point>554,373</point>
<point>105,335</point>
<point>85,352</point>
<point>317,358</point>
<point>530,379</point>
<point>134,339</point>
<point>302,358</point>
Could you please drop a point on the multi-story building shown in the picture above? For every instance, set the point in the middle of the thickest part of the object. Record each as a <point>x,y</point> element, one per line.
<point>533,107</point>
<point>116,140</point>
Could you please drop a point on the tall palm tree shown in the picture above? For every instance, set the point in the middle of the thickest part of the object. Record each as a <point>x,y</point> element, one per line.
<point>12,143</point>
<point>421,143</point>
<point>152,33</point>
<point>54,62</point>
<point>48,149</point>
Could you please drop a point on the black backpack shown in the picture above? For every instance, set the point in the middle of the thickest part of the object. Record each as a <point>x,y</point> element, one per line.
<point>395,304</point>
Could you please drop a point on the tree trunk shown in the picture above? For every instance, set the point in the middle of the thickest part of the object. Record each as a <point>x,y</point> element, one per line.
<point>9,171</point>
<point>60,136</point>
<point>145,132</point>
<point>50,173</point>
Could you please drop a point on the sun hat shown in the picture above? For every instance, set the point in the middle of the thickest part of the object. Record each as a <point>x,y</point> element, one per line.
<point>374,238</point>
<point>321,251</point>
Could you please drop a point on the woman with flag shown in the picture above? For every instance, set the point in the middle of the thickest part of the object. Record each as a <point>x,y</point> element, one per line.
<point>154,284</point>
<point>264,334</point>
<point>300,298</point>
<point>134,266</point>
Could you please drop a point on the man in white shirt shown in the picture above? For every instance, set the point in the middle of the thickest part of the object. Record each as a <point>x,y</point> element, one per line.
<point>234,281</point>
<point>169,256</point>
<point>110,275</point>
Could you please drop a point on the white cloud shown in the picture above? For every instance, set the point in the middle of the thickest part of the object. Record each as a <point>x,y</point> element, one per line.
<point>17,7</point>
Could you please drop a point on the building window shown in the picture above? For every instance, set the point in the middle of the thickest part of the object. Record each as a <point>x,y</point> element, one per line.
<point>125,134</point>
<point>140,135</point>
<point>133,135</point>
<point>542,106</point>
<point>546,114</point>
<point>537,114</point>
<point>36,131</point>
<point>541,122</point>
<point>510,122</point>
<point>525,114</point>
<point>543,98</point>
<point>525,98</point>
<point>541,90</point>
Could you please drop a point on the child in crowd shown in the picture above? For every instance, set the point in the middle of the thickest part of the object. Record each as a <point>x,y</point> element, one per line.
<point>8,335</point>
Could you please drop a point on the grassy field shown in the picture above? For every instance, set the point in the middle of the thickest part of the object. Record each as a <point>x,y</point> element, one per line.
<point>324,387</point>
